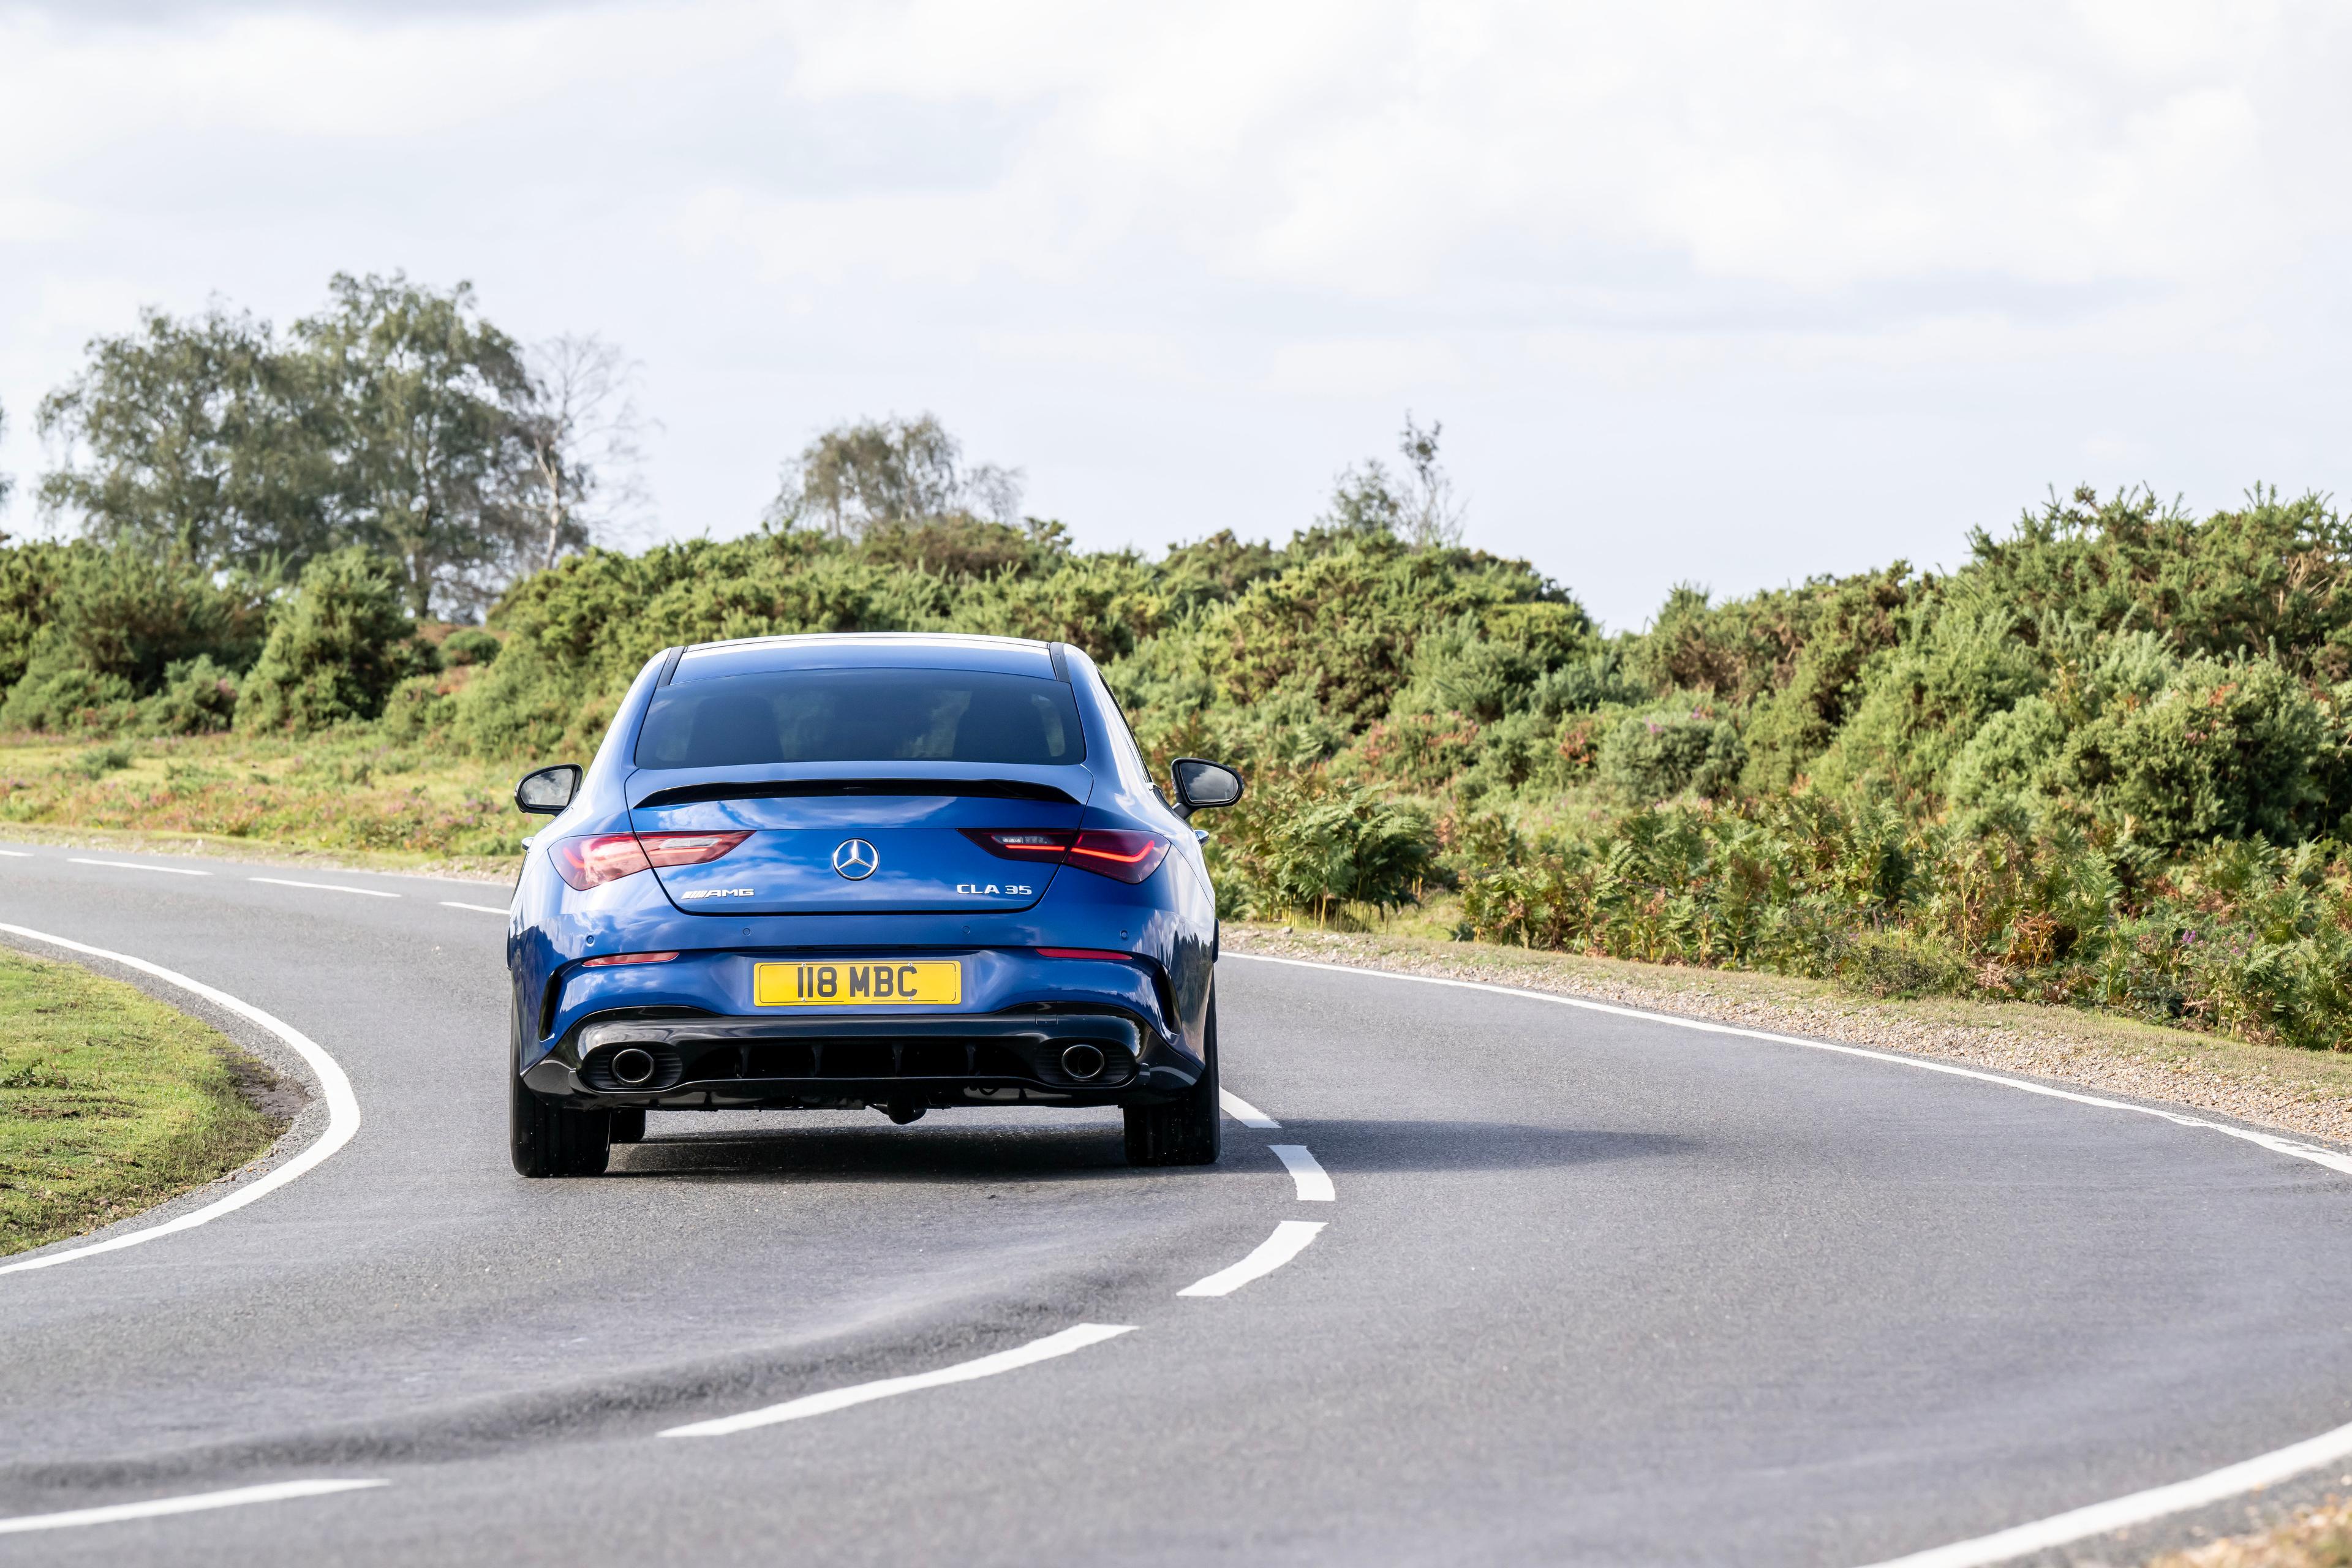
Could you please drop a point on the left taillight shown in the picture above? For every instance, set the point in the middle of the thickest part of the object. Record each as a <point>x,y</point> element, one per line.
<point>1117,853</point>
<point>595,860</point>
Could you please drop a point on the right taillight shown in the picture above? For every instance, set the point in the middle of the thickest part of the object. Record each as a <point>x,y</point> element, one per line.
<point>1118,853</point>
<point>597,859</point>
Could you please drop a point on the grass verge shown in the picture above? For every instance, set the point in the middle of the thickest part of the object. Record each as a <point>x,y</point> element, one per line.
<point>112,1102</point>
<point>346,797</point>
<point>2316,1537</point>
<point>2295,1091</point>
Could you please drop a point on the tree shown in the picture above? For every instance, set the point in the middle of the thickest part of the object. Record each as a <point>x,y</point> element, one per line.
<point>431,458</point>
<point>7,482</point>
<point>1417,507</point>
<point>579,425</point>
<point>197,438</point>
<point>894,470</point>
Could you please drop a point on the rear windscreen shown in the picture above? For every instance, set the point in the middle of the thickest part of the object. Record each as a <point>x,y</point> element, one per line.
<point>861,716</point>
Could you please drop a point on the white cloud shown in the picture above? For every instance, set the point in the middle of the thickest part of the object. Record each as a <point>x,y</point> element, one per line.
<point>1127,244</point>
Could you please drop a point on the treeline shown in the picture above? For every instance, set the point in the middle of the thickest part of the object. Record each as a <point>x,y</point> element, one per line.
<point>2107,760</point>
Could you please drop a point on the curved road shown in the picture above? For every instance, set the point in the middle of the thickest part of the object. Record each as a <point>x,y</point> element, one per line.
<point>1588,1288</point>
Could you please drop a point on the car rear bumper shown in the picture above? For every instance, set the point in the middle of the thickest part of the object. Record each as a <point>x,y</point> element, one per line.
<point>711,1063</point>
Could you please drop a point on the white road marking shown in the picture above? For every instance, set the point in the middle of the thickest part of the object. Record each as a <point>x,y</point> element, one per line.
<point>279,1491</point>
<point>1035,1350</point>
<point>343,1108</point>
<point>17,854</point>
<point>136,865</point>
<point>325,887</point>
<point>1243,1112</point>
<point>2216,1485</point>
<point>1314,1181</point>
<point>2139,1507</point>
<point>478,909</point>
<point>1288,1240</point>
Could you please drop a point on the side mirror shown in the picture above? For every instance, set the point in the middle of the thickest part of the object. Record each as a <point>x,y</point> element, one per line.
<point>1202,783</point>
<point>549,790</point>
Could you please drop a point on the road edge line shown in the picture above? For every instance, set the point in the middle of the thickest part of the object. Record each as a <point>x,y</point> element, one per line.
<point>342,1107</point>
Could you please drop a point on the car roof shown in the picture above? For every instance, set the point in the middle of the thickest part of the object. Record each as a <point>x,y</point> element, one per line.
<point>865,650</point>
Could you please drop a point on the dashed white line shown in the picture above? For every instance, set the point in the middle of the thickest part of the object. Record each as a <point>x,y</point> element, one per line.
<point>478,909</point>
<point>342,1107</point>
<point>1035,1350</point>
<point>1288,1240</point>
<point>1243,1112</point>
<point>17,854</point>
<point>277,1492</point>
<point>325,887</point>
<point>137,865</point>
<point>1314,1181</point>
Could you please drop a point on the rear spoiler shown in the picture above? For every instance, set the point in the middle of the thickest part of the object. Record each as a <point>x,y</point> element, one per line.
<point>786,789</point>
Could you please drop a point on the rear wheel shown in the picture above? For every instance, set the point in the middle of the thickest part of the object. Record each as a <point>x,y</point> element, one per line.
<point>549,1139</point>
<point>629,1126</point>
<point>1186,1132</point>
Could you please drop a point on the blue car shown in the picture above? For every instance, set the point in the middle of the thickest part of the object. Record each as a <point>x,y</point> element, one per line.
<point>904,872</point>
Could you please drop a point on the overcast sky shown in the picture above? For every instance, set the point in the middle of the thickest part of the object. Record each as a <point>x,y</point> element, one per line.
<point>1701,291</point>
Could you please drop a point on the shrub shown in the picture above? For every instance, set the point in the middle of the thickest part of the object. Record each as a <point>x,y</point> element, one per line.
<point>1659,754</point>
<point>198,697</point>
<point>469,645</point>
<point>337,647</point>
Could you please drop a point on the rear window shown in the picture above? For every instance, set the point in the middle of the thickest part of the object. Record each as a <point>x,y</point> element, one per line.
<point>861,716</point>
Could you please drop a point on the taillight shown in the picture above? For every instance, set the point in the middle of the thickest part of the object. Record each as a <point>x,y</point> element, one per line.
<point>593,861</point>
<point>1117,853</point>
<point>1129,857</point>
<point>611,960</point>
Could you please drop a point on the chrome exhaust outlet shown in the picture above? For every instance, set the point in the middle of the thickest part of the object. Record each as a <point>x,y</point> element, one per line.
<point>1083,1062</point>
<point>633,1066</point>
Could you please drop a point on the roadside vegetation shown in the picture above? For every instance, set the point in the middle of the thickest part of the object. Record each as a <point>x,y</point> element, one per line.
<point>111,1102</point>
<point>2105,763</point>
<point>2316,1537</point>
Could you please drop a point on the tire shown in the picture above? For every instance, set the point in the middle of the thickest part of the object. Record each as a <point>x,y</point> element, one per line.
<point>1185,1132</point>
<point>549,1139</point>
<point>628,1126</point>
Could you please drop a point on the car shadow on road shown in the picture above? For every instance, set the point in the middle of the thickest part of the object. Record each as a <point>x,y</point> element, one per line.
<point>973,1152</point>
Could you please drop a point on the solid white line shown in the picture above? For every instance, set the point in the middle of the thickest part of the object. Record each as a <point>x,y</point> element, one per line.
<point>479,908</point>
<point>1314,1181</point>
<point>2216,1485</point>
<point>1243,1112</point>
<point>1071,1339</point>
<point>135,866</point>
<point>279,1491</point>
<point>2340,1163</point>
<point>342,1107</point>
<point>2139,1507</point>
<point>1288,1240</point>
<point>325,887</point>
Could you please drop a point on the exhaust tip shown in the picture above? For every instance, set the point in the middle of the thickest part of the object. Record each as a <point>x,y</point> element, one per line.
<point>1083,1062</point>
<point>634,1066</point>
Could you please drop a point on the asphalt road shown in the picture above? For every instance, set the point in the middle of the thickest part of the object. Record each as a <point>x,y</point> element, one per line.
<point>1590,1290</point>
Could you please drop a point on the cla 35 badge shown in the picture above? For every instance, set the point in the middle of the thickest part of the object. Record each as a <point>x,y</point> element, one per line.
<point>855,860</point>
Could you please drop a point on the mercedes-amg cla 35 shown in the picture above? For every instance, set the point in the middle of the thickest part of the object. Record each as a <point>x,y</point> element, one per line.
<point>898,871</point>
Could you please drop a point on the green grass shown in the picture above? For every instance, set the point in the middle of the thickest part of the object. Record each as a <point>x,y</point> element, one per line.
<point>350,797</point>
<point>110,1102</point>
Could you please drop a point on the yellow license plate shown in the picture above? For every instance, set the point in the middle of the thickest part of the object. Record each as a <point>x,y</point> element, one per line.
<point>856,985</point>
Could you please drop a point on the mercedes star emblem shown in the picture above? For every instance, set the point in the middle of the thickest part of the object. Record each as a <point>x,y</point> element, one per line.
<point>855,860</point>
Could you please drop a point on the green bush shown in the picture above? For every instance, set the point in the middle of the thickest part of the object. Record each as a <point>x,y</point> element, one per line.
<point>469,645</point>
<point>337,647</point>
<point>198,697</point>
<point>1661,753</point>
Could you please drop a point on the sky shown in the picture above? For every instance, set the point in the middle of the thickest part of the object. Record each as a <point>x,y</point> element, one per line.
<point>1701,291</point>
